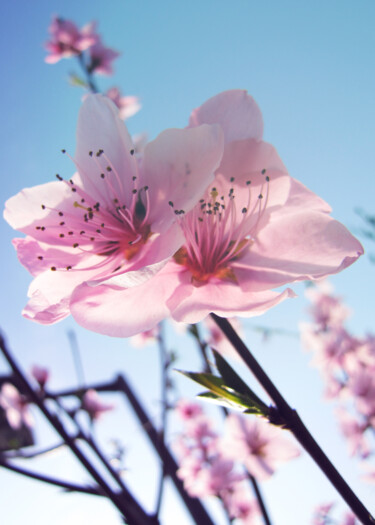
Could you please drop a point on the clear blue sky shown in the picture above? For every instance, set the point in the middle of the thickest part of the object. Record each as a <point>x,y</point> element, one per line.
<point>310,66</point>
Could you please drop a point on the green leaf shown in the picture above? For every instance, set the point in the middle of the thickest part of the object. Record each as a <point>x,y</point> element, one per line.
<point>75,80</point>
<point>233,380</point>
<point>217,386</point>
<point>214,398</point>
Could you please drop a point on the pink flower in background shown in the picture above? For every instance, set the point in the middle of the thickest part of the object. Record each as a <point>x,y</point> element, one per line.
<point>101,59</point>
<point>188,410</point>
<point>15,406</point>
<point>354,431</point>
<point>128,106</point>
<point>349,519</point>
<point>40,374</point>
<point>326,309</point>
<point>241,505</point>
<point>211,479</point>
<point>144,338</point>
<point>113,216</point>
<point>67,40</point>
<point>93,405</point>
<point>260,446</point>
<point>254,229</point>
<point>321,514</point>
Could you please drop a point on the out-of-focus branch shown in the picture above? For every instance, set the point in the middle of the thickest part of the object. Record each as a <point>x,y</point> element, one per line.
<point>71,487</point>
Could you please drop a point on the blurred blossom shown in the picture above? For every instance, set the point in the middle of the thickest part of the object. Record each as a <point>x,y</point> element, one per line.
<point>187,409</point>
<point>241,505</point>
<point>128,106</point>
<point>326,309</point>
<point>347,366</point>
<point>94,406</point>
<point>349,519</point>
<point>353,430</point>
<point>15,406</point>
<point>101,59</point>
<point>67,40</point>
<point>321,514</point>
<point>260,446</point>
<point>145,338</point>
<point>40,374</point>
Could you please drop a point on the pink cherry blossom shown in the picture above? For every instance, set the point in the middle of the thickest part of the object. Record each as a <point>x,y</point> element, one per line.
<point>114,215</point>
<point>255,229</point>
<point>128,106</point>
<point>101,58</point>
<point>241,505</point>
<point>67,40</point>
<point>260,446</point>
<point>93,405</point>
<point>354,431</point>
<point>349,519</point>
<point>144,338</point>
<point>326,309</point>
<point>40,374</point>
<point>15,406</point>
<point>321,514</point>
<point>188,410</point>
<point>210,479</point>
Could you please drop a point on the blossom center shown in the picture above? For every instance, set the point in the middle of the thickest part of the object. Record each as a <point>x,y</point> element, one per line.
<point>113,224</point>
<point>220,230</point>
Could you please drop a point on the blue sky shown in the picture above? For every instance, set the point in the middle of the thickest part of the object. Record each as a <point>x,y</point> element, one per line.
<point>310,67</point>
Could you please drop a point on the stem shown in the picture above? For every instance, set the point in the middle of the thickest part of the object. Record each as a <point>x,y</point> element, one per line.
<point>21,454</point>
<point>164,379</point>
<point>128,511</point>
<point>88,75</point>
<point>295,424</point>
<point>76,357</point>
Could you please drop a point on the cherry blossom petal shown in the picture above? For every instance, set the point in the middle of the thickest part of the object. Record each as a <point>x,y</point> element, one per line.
<point>180,161</point>
<point>309,245</point>
<point>236,112</point>
<point>191,304</point>
<point>119,312</point>
<point>100,128</point>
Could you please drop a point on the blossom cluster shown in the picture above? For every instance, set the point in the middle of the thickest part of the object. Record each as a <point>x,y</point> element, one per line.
<point>219,465</point>
<point>347,365</point>
<point>323,516</point>
<point>67,41</point>
<point>206,219</point>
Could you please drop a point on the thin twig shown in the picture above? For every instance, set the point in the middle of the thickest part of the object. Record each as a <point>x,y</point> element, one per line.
<point>164,379</point>
<point>129,511</point>
<point>71,487</point>
<point>120,384</point>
